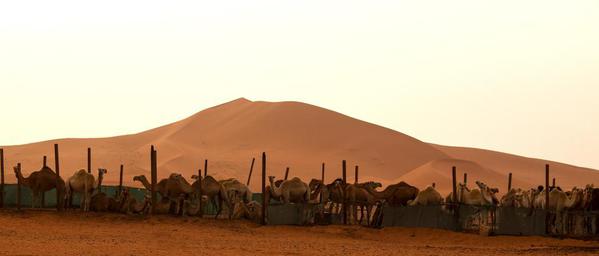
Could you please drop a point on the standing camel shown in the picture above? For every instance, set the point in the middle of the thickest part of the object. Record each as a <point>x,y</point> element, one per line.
<point>39,182</point>
<point>290,191</point>
<point>214,190</point>
<point>85,184</point>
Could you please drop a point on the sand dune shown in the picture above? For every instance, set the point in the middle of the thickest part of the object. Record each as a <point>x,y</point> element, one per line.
<point>295,135</point>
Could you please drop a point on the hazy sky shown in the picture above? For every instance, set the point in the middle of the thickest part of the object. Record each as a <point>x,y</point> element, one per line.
<point>515,76</point>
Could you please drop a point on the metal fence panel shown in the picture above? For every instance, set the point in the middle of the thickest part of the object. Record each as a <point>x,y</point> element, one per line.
<point>291,214</point>
<point>521,221</point>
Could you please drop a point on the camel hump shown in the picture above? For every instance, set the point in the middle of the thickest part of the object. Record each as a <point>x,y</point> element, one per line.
<point>81,172</point>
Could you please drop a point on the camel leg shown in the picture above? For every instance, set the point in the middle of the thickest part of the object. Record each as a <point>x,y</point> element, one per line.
<point>216,205</point>
<point>368,211</point>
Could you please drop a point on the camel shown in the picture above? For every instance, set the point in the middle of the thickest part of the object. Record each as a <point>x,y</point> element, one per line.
<point>213,190</point>
<point>428,196</point>
<point>559,202</point>
<point>85,184</point>
<point>250,211</point>
<point>331,193</point>
<point>170,188</point>
<point>234,190</point>
<point>358,195</point>
<point>513,198</point>
<point>483,196</point>
<point>290,191</point>
<point>160,186</point>
<point>130,205</point>
<point>397,194</point>
<point>177,188</point>
<point>39,182</point>
<point>103,203</point>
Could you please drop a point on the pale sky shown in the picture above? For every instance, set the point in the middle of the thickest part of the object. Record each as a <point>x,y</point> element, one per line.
<point>514,76</point>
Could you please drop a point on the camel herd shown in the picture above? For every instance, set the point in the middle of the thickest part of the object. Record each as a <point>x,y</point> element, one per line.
<point>178,196</point>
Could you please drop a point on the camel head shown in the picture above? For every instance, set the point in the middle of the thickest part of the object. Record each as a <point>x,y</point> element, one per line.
<point>138,178</point>
<point>102,172</point>
<point>271,179</point>
<point>278,183</point>
<point>373,185</point>
<point>175,175</point>
<point>195,177</point>
<point>314,183</point>
<point>487,193</point>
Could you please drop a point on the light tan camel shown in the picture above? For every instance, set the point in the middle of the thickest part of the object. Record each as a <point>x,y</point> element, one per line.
<point>290,191</point>
<point>428,196</point>
<point>513,198</point>
<point>236,191</point>
<point>85,184</point>
<point>250,211</point>
<point>559,202</point>
<point>39,182</point>
<point>482,196</point>
<point>213,190</point>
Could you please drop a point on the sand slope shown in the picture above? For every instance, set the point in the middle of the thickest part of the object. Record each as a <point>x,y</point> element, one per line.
<point>294,134</point>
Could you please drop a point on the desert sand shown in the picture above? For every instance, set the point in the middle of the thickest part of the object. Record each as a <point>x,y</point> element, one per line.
<point>51,233</point>
<point>295,135</point>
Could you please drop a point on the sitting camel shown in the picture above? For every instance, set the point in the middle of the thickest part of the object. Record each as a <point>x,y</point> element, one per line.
<point>428,196</point>
<point>250,211</point>
<point>39,182</point>
<point>290,191</point>
<point>85,184</point>
<point>235,190</point>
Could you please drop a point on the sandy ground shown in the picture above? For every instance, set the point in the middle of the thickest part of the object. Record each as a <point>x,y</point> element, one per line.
<point>73,233</point>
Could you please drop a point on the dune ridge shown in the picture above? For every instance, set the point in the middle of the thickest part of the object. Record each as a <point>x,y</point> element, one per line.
<point>296,135</point>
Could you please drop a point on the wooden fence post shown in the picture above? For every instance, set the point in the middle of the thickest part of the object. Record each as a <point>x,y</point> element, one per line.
<point>546,185</point>
<point>1,178</point>
<point>286,173</point>
<point>465,178</point>
<point>45,159</point>
<point>251,170</point>
<point>121,180</point>
<point>553,182</point>
<point>264,202</point>
<point>89,160</point>
<point>205,168</point>
<point>19,188</point>
<point>454,188</point>
<point>153,173</point>
<point>356,178</point>
<point>547,197</point>
<point>322,180</point>
<point>59,189</point>
<point>509,182</point>
<point>344,176</point>
<point>200,206</point>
